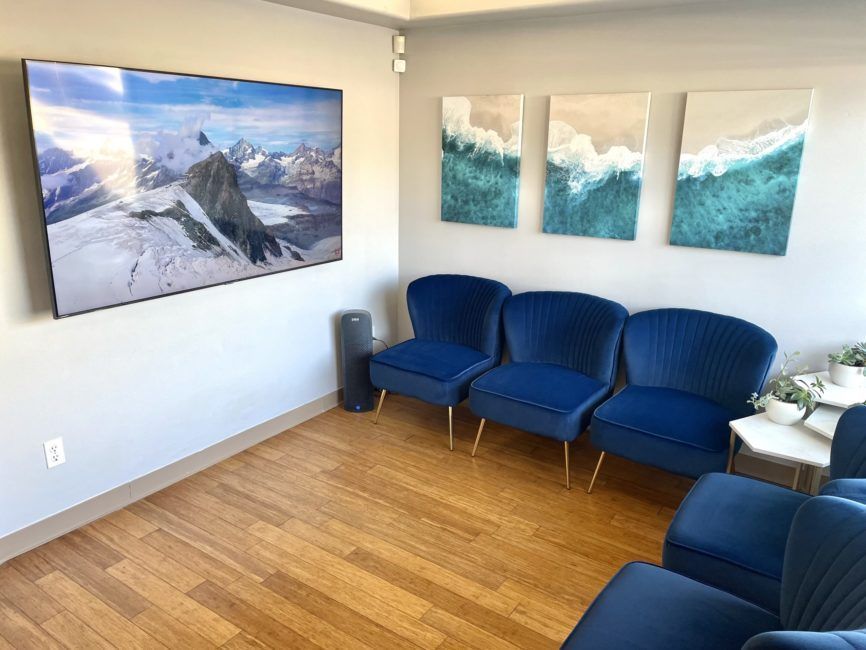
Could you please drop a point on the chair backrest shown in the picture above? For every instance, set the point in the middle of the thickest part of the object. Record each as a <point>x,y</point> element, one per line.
<point>458,309</point>
<point>576,330</point>
<point>848,453</point>
<point>824,572</point>
<point>722,358</point>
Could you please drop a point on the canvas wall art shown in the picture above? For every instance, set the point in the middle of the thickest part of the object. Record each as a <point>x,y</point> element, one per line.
<point>595,146</point>
<point>481,159</point>
<point>156,183</point>
<point>738,169</point>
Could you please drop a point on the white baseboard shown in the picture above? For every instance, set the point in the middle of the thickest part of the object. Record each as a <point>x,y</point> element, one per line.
<point>43,531</point>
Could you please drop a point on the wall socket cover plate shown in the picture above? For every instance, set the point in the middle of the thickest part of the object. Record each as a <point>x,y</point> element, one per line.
<point>399,65</point>
<point>54,454</point>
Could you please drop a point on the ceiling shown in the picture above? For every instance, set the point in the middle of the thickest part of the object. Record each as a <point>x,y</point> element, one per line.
<point>418,13</point>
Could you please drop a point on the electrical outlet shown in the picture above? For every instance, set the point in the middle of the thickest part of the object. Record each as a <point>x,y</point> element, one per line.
<point>54,454</point>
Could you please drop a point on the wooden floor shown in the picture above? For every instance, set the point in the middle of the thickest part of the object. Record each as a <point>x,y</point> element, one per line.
<point>341,534</point>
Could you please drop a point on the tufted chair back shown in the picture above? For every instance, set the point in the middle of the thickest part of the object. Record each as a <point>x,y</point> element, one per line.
<point>722,358</point>
<point>576,330</point>
<point>824,573</point>
<point>848,453</point>
<point>458,309</point>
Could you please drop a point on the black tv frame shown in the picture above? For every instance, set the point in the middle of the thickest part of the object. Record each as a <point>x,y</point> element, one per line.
<point>45,240</point>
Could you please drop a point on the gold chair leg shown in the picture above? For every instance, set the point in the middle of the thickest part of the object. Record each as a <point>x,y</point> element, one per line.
<point>567,473</point>
<point>379,408</point>
<point>796,484</point>
<point>595,473</point>
<point>478,437</point>
<point>451,428</point>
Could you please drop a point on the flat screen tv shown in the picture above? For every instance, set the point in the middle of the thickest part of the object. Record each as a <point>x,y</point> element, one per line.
<point>157,183</point>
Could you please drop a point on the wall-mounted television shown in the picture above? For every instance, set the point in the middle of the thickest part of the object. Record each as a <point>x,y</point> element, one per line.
<point>157,183</point>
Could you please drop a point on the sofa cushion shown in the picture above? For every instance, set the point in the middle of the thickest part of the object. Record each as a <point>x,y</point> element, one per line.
<point>434,371</point>
<point>730,532</point>
<point>543,398</point>
<point>645,607</point>
<point>671,429</point>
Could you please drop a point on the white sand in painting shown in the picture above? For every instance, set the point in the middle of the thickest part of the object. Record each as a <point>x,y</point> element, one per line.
<point>496,113</point>
<point>740,115</point>
<point>611,120</point>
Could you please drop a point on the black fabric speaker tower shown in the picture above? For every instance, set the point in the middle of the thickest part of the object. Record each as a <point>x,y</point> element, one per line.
<point>356,334</point>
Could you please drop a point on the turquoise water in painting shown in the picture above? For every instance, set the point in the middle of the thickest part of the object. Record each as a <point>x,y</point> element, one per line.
<point>479,186</point>
<point>603,207</point>
<point>747,208</point>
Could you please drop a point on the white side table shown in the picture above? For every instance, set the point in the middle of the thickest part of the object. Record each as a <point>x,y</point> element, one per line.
<point>795,443</point>
<point>824,420</point>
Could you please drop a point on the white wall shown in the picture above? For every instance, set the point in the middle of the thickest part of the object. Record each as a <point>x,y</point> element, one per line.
<point>811,300</point>
<point>134,388</point>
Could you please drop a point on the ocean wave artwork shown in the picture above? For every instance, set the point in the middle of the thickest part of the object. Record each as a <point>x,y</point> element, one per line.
<point>481,138</point>
<point>738,170</point>
<point>595,146</point>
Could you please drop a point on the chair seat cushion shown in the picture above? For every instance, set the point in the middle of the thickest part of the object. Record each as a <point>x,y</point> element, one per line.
<point>433,371</point>
<point>543,398</point>
<point>645,607</point>
<point>671,429</point>
<point>730,532</point>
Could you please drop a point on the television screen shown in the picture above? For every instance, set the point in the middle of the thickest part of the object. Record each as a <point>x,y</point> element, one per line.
<point>155,183</point>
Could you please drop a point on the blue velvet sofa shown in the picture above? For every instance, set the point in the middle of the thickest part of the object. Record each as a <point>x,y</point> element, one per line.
<point>730,531</point>
<point>822,603</point>
<point>458,337</point>
<point>563,349</point>
<point>689,373</point>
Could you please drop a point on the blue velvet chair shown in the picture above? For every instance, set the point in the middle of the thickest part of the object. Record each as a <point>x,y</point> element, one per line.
<point>730,531</point>
<point>458,337</point>
<point>563,350</point>
<point>822,602</point>
<point>689,373</point>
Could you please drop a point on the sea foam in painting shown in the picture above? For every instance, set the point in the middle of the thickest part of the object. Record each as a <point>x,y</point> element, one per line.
<point>481,138</point>
<point>738,169</point>
<point>594,164</point>
<point>156,183</point>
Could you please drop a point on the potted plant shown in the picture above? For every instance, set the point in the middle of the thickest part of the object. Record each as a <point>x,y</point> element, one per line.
<point>847,367</point>
<point>788,399</point>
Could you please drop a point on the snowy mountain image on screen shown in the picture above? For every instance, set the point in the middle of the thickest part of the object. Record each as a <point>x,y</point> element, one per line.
<point>191,182</point>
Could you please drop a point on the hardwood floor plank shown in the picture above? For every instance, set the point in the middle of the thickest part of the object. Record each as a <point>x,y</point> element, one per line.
<point>374,608</point>
<point>340,568</point>
<point>431,571</point>
<point>203,540</point>
<point>165,567</point>
<point>170,631</point>
<point>132,524</point>
<point>196,560</point>
<point>26,596</point>
<point>340,616</point>
<point>116,629</point>
<point>64,556</point>
<point>192,614</point>
<point>72,633</point>
<point>254,622</point>
<point>317,630</point>
<point>21,632</point>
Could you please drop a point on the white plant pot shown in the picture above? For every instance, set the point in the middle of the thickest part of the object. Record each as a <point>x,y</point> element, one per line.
<point>847,376</point>
<point>784,413</point>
